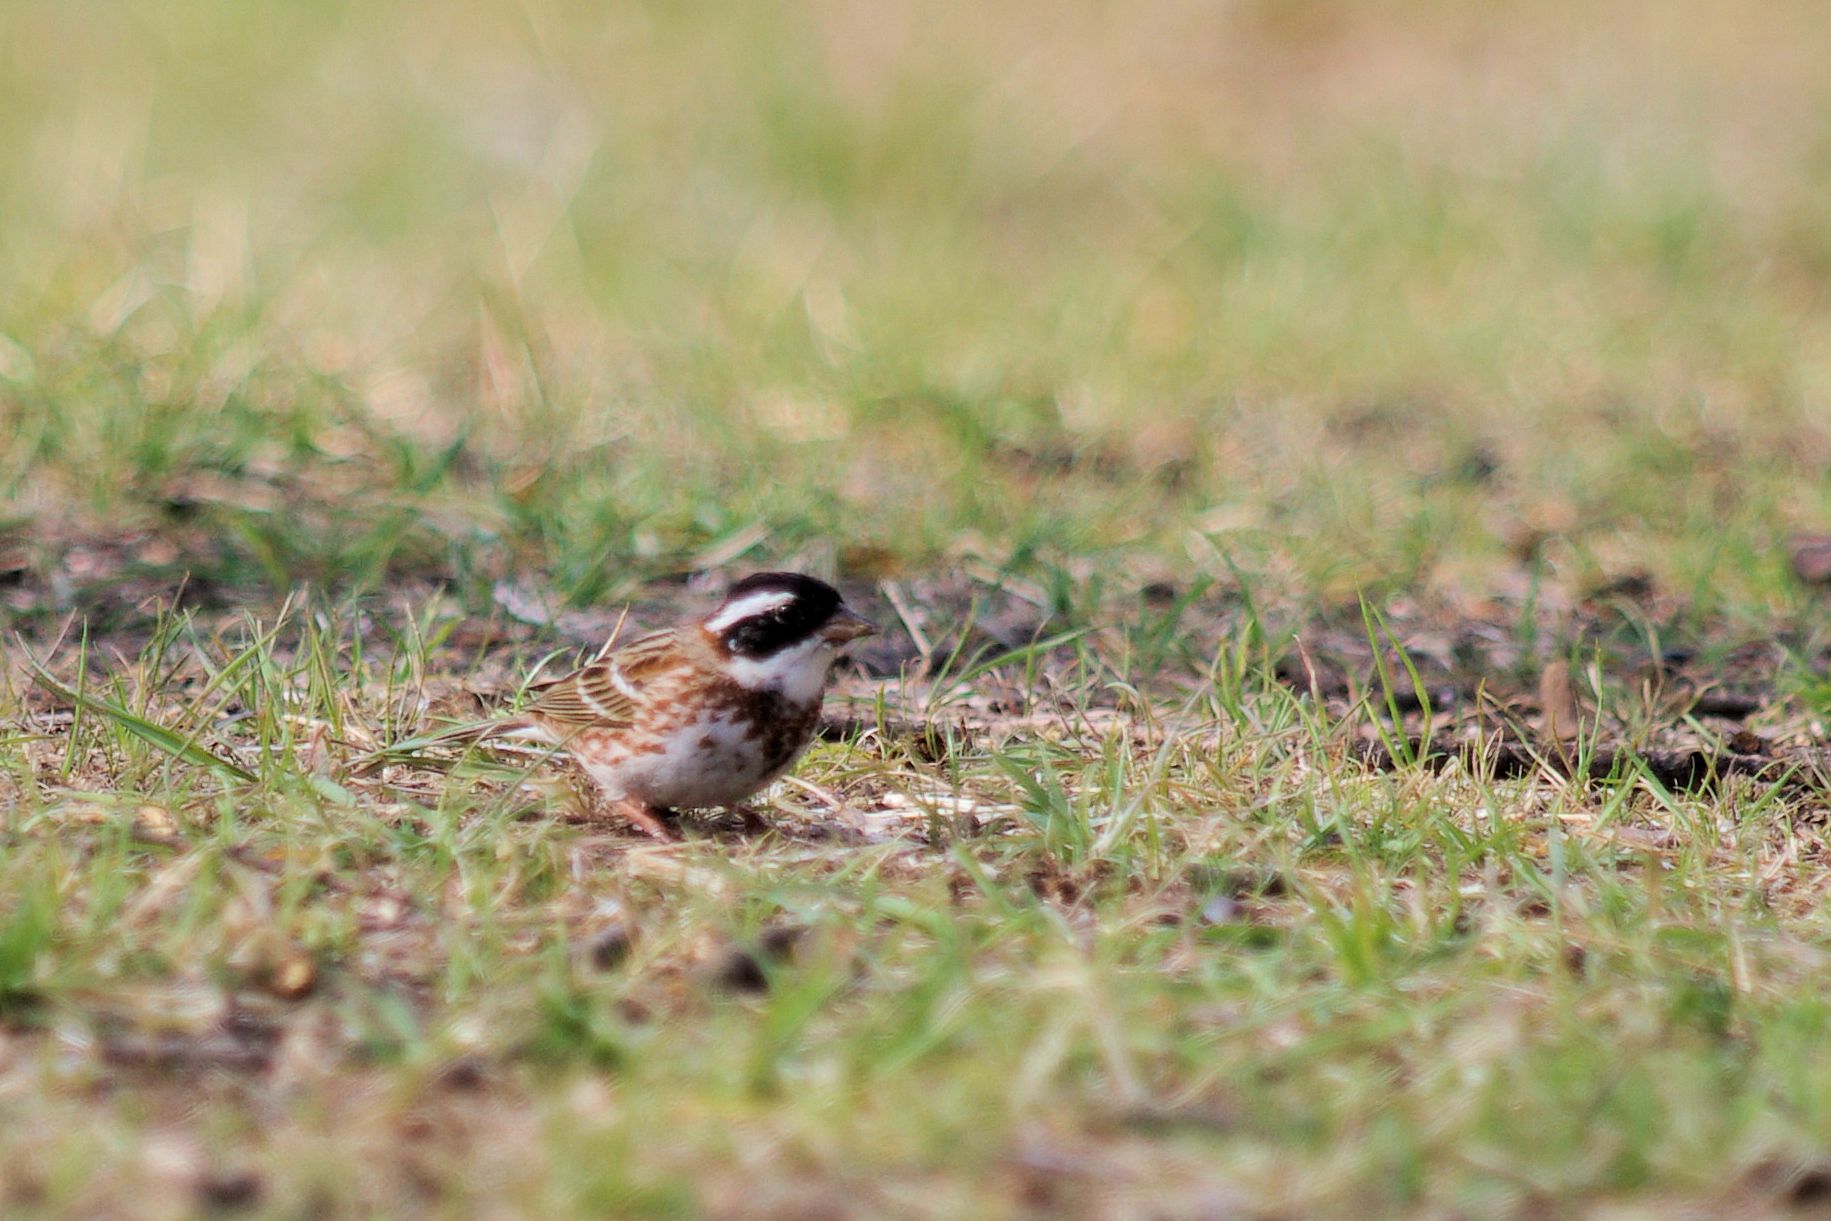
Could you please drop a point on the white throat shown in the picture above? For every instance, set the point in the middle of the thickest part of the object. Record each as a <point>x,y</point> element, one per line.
<point>798,673</point>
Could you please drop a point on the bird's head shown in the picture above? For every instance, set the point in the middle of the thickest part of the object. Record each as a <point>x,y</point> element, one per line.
<point>782,629</point>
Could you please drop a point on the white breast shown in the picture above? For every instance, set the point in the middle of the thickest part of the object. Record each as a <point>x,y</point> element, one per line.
<point>714,761</point>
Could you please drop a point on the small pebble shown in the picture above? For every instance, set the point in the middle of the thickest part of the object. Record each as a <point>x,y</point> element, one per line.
<point>293,977</point>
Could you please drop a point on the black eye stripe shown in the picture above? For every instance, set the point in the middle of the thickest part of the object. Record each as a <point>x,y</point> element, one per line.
<point>809,607</point>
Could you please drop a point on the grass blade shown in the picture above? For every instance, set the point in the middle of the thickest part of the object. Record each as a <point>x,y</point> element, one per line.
<point>150,732</point>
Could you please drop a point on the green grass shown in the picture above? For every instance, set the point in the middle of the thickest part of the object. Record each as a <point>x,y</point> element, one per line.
<point>1208,345</point>
<point>1200,956</point>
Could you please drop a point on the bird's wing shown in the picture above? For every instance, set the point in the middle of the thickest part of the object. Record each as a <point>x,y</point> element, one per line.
<point>606,692</point>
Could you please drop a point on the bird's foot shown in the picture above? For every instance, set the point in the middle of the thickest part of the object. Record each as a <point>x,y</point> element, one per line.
<point>646,818</point>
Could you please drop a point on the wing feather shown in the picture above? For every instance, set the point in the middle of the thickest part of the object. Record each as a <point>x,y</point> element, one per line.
<point>607,691</point>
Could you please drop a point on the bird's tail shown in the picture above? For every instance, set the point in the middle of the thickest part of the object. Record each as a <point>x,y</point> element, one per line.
<point>465,735</point>
<point>512,732</point>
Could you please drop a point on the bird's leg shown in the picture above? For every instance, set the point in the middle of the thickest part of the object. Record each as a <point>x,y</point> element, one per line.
<point>646,818</point>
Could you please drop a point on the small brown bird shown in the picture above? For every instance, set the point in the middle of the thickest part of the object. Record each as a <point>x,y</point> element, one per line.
<point>704,714</point>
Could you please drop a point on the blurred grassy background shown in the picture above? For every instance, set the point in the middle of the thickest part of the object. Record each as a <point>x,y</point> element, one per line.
<point>1354,295</point>
<point>1464,306</point>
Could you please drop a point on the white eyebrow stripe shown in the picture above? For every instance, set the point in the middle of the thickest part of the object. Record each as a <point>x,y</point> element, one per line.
<point>748,606</point>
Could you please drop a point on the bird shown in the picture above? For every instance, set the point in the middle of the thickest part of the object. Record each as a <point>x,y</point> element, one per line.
<point>704,714</point>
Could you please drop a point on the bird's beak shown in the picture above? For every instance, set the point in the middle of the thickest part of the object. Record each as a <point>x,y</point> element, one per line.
<point>847,624</point>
